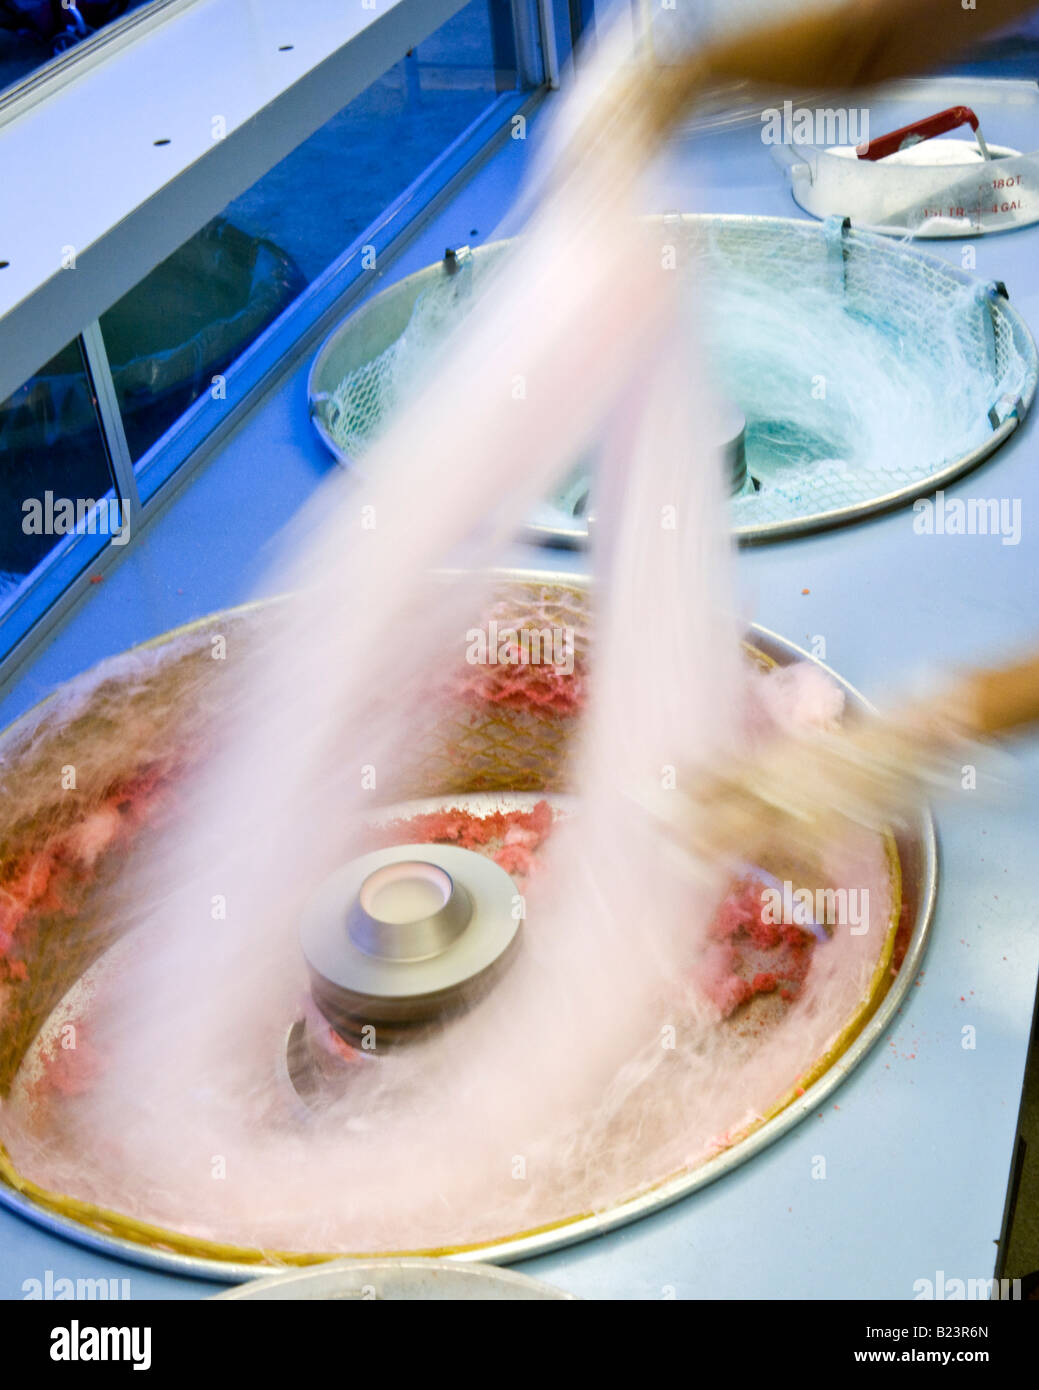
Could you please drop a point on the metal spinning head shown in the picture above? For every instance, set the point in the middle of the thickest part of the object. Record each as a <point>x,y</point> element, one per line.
<point>403,937</point>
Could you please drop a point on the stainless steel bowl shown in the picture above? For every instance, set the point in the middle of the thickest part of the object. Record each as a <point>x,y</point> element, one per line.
<point>407,1280</point>
<point>869,272</point>
<point>917,856</point>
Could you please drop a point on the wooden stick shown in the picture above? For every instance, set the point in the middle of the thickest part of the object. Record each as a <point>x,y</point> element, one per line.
<point>851,46</point>
<point>1001,699</point>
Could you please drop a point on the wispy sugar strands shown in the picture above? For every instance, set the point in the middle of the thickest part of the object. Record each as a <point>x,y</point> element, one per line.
<point>599,1064</point>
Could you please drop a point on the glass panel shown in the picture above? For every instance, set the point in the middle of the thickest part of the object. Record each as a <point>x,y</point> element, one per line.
<point>582,18</point>
<point>564,36</point>
<point>54,473</point>
<point>33,32</point>
<point>322,197</point>
<point>184,323</point>
<point>194,314</point>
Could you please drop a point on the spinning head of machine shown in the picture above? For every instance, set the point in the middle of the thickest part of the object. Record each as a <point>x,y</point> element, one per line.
<point>403,937</point>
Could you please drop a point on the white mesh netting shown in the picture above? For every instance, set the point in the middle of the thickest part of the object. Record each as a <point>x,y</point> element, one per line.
<point>863,367</point>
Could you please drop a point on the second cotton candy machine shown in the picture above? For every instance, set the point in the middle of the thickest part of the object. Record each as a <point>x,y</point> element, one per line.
<point>856,373</point>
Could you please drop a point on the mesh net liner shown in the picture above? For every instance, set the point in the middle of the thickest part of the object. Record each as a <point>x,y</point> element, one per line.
<point>367,396</point>
<point>863,367</point>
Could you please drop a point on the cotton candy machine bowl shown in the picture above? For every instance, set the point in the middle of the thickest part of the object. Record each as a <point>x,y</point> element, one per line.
<point>391,941</point>
<point>867,373</point>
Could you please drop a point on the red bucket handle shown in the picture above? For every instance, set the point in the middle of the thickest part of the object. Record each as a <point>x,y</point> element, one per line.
<point>930,126</point>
